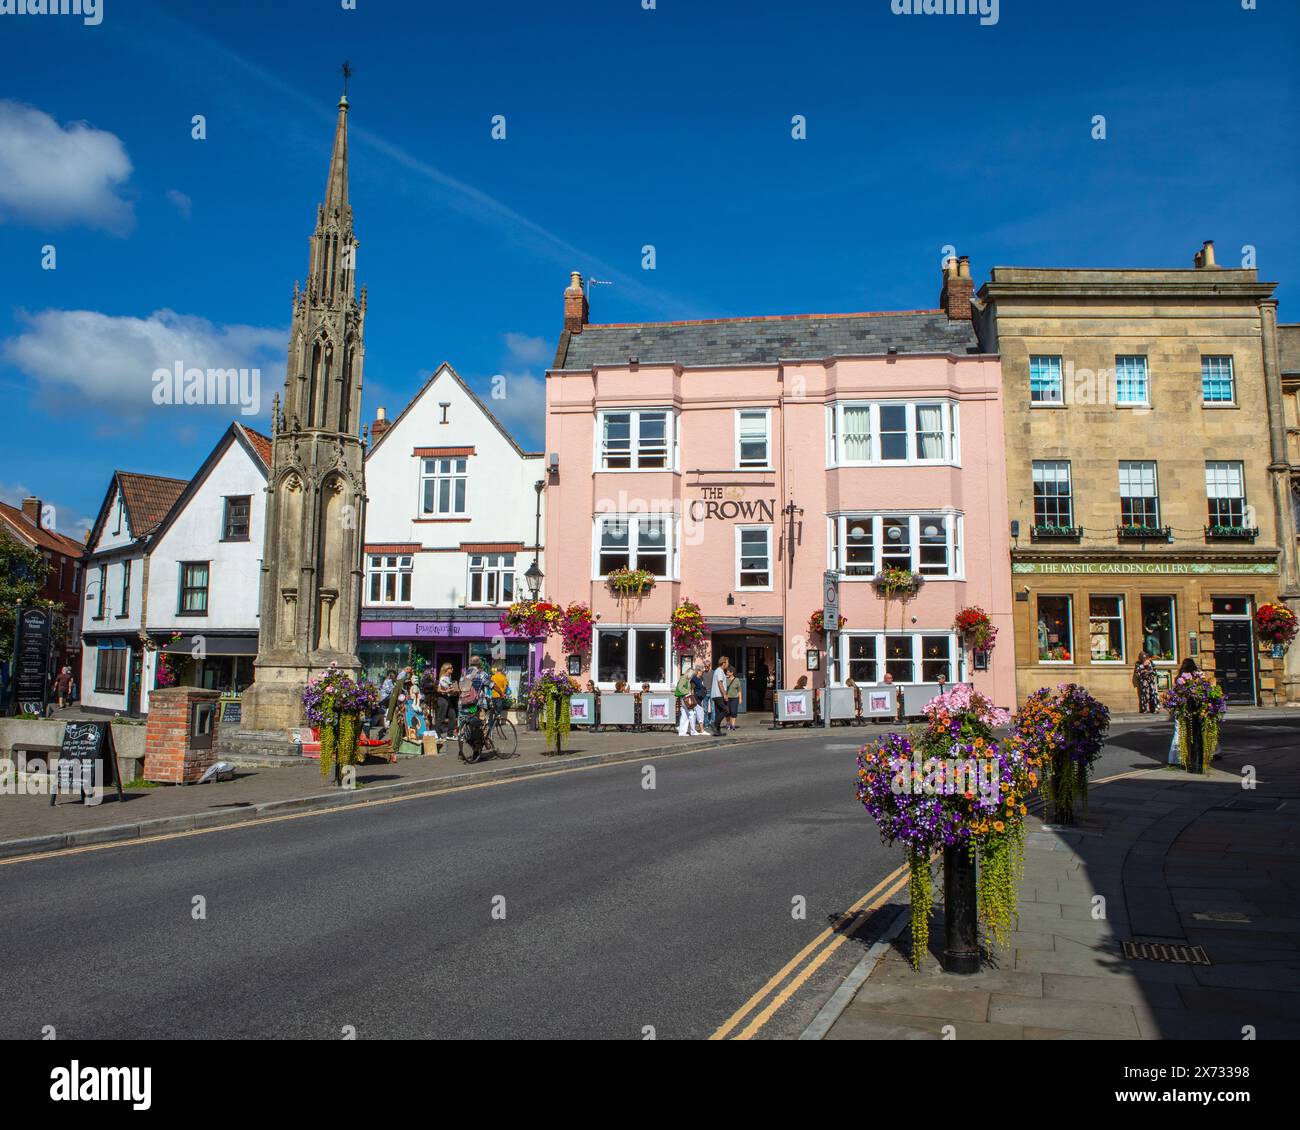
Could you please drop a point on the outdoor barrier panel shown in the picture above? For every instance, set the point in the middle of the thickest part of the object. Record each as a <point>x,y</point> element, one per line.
<point>582,710</point>
<point>840,703</point>
<point>617,710</point>
<point>658,710</point>
<point>794,706</point>
<point>915,697</point>
<point>879,702</point>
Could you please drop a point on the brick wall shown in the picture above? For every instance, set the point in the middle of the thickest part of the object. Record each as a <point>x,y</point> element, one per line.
<point>168,756</point>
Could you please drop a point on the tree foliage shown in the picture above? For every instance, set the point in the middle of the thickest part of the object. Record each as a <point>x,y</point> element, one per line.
<point>22,576</point>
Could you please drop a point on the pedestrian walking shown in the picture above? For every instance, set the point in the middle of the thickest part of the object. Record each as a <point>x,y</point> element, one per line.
<point>699,689</point>
<point>63,687</point>
<point>718,694</point>
<point>685,695</point>
<point>733,697</point>
<point>1144,679</point>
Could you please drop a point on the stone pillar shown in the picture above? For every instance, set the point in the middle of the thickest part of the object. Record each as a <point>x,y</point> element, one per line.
<point>174,753</point>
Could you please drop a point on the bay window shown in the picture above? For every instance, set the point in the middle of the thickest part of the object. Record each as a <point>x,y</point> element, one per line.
<point>864,545</point>
<point>905,657</point>
<point>634,542</point>
<point>893,432</point>
<point>636,439</point>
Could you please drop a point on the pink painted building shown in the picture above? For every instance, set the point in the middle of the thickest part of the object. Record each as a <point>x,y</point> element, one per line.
<point>738,460</point>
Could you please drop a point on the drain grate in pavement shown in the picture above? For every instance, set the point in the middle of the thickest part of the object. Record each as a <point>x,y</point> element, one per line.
<point>1167,953</point>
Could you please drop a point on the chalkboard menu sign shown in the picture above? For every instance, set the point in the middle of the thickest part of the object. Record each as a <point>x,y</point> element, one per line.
<point>231,710</point>
<point>31,673</point>
<point>87,759</point>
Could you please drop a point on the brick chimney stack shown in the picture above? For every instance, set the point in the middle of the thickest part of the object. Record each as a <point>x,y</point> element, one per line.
<point>1204,259</point>
<point>32,511</point>
<point>380,426</point>
<point>958,289</point>
<point>575,304</point>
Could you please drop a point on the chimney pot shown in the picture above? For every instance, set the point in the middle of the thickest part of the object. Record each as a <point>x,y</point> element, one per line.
<point>958,289</point>
<point>380,426</point>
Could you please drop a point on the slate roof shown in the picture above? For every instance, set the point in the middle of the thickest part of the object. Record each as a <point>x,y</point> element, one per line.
<point>767,340</point>
<point>148,499</point>
<point>1288,347</point>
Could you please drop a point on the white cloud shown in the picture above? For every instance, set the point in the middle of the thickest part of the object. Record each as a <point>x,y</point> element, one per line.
<point>63,521</point>
<point>525,350</point>
<point>180,202</point>
<point>522,407</point>
<point>103,361</point>
<point>61,175</point>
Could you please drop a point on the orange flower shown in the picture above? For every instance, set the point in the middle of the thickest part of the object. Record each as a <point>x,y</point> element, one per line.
<point>998,825</point>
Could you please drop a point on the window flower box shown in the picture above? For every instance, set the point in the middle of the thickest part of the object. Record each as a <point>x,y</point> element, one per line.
<point>1231,533</point>
<point>1145,533</point>
<point>1056,533</point>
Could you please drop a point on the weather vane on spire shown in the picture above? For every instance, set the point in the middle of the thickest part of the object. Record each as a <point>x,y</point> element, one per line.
<point>347,72</point>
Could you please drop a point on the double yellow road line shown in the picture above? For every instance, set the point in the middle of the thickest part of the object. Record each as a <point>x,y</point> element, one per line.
<point>796,972</point>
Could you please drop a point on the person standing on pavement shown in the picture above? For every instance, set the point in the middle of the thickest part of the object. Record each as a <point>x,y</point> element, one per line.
<point>718,694</point>
<point>686,706</point>
<point>1144,679</point>
<point>699,689</point>
<point>446,701</point>
<point>733,697</point>
<point>63,687</point>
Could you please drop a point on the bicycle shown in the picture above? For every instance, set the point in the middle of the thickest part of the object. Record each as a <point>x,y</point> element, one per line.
<point>472,740</point>
<point>505,741</point>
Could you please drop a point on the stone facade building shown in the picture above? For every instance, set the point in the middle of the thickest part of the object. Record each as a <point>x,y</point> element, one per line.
<point>1288,338</point>
<point>1145,492</point>
<point>311,567</point>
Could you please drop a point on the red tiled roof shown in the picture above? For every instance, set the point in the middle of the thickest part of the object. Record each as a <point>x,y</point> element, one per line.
<point>148,499</point>
<point>260,443</point>
<point>15,519</point>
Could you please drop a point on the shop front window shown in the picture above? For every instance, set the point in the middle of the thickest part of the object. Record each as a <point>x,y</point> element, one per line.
<point>1106,628</point>
<point>631,655</point>
<point>936,659</point>
<point>898,659</point>
<point>1159,635</point>
<point>862,659</point>
<point>1055,636</point>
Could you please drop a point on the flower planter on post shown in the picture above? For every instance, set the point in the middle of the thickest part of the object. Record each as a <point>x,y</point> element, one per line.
<point>961,944</point>
<point>334,704</point>
<point>1198,703</point>
<point>1064,729</point>
<point>1195,744</point>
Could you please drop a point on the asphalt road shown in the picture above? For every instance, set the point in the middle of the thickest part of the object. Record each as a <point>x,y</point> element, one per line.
<point>624,907</point>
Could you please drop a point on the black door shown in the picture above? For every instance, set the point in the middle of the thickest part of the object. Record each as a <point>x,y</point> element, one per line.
<point>1234,660</point>
<point>133,682</point>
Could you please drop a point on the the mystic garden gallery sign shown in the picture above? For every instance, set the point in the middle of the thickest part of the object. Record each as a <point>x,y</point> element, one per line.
<point>1149,568</point>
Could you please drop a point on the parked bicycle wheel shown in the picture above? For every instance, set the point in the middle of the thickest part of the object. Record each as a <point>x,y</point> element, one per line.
<point>469,739</point>
<point>504,737</point>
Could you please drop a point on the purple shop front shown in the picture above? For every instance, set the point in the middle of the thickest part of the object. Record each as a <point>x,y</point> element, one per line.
<point>391,644</point>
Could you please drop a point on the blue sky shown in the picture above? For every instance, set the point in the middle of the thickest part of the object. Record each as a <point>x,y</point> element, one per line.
<point>624,127</point>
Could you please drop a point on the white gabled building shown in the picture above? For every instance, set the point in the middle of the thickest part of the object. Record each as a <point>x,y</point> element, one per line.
<point>450,532</point>
<point>169,557</point>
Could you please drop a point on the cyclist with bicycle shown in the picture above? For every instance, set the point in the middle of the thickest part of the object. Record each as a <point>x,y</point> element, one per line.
<point>473,714</point>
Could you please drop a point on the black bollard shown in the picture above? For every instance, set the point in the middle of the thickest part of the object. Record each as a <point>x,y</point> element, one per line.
<point>1195,743</point>
<point>961,952</point>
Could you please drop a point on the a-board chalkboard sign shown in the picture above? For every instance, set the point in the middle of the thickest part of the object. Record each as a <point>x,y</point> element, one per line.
<point>232,710</point>
<point>87,746</point>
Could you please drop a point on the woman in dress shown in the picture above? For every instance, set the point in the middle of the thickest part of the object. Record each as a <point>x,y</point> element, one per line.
<point>1144,679</point>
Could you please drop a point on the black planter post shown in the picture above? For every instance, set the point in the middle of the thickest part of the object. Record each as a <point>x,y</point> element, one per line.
<point>1195,743</point>
<point>961,952</point>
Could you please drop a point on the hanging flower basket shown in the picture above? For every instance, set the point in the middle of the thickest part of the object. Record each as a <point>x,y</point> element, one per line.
<point>1276,624</point>
<point>630,584</point>
<point>817,623</point>
<point>334,702</point>
<point>575,629</point>
<point>959,789</point>
<point>1064,730</point>
<point>975,626</point>
<point>164,676</point>
<point>896,582</point>
<point>1197,702</point>
<point>536,619</point>
<point>689,630</point>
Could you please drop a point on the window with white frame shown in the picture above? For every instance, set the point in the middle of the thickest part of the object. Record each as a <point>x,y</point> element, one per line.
<point>906,657</point>
<point>636,440</point>
<point>753,557</point>
<point>863,545</point>
<point>491,578</point>
<point>634,542</point>
<point>753,437</point>
<point>1218,385</point>
<point>1139,499</point>
<point>1045,382</point>
<point>630,655</point>
<point>1053,498</point>
<point>1106,628</point>
<point>876,433</point>
<point>1132,383</point>
<point>442,486</point>
<point>390,578</point>
<point>1225,492</point>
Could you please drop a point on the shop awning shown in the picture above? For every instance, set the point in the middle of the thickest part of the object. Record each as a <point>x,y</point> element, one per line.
<point>213,645</point>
